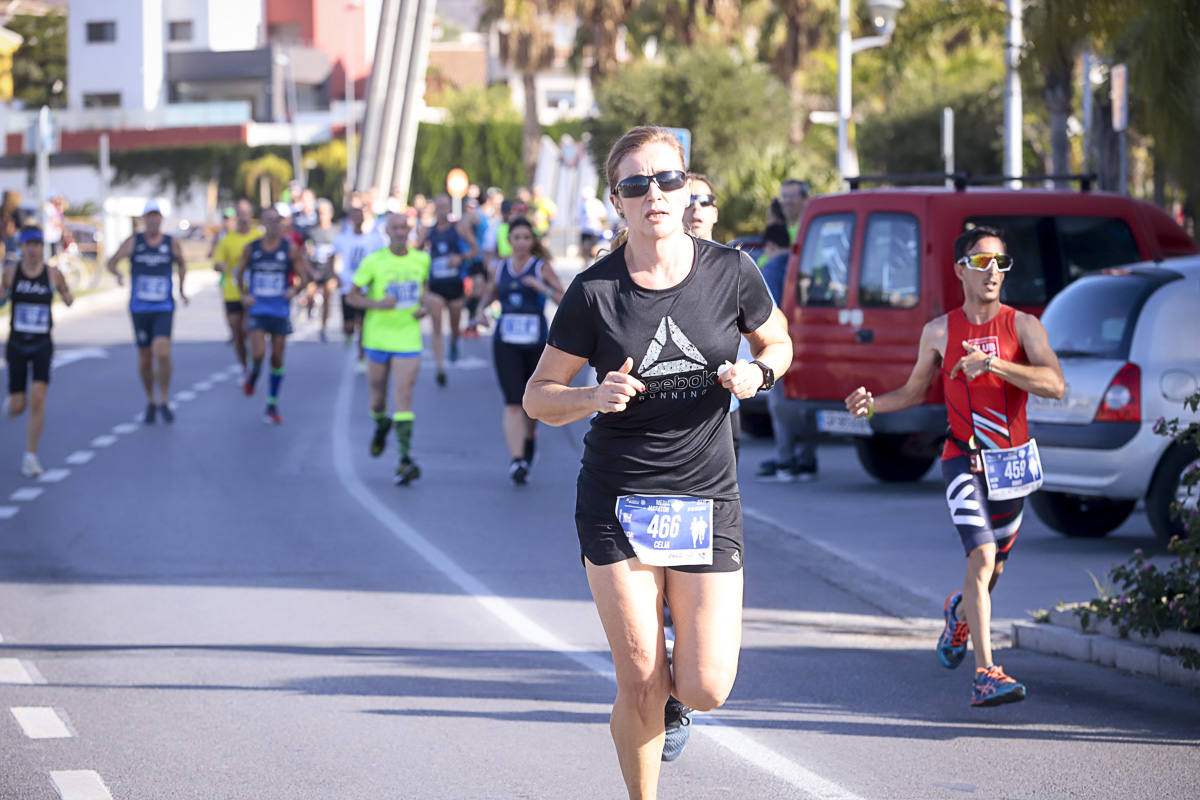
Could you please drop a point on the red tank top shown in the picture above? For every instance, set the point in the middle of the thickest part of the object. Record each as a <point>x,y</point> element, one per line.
<point>989,409</point>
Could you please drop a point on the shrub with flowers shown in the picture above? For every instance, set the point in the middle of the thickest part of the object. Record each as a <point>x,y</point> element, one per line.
<point>1144,598</point>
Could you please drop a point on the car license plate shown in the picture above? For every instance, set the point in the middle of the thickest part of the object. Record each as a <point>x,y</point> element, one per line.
<point>842,422</point>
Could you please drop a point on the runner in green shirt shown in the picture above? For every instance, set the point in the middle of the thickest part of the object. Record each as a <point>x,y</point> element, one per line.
<point>391,285</point>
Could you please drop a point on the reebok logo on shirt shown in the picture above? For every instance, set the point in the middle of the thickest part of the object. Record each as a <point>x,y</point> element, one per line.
<point>684,368</point>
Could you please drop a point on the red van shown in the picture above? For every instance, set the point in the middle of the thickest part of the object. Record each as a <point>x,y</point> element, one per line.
<point>869,268</point>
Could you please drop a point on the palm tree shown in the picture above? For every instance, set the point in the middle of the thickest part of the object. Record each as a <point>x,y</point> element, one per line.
<point>527,48</point>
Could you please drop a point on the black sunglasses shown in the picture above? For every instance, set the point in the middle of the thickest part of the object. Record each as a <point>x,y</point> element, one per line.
<point>705,200</point>
<point>637,185</point>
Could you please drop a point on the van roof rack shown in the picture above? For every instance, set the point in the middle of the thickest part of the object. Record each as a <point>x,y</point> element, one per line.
<point>964,179</point>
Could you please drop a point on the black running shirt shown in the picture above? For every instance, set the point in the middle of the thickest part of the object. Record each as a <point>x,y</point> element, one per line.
<point>674,438</point>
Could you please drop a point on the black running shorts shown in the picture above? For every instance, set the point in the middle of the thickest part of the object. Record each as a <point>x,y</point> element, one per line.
<point>350,313</point>
<point>980,520</point>
<point>234,307</point>
<point>24,357</point>
<point>514,367</point>
<point>448,290</point>
<point>151,325</point>
<point>602,541</point>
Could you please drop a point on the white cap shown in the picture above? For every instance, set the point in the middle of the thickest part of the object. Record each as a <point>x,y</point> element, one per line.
<point>284,210</point>
<point>151,207</point>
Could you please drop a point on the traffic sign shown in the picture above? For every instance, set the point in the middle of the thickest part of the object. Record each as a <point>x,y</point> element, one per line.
<point>457,183</point>
<point>685,138</point>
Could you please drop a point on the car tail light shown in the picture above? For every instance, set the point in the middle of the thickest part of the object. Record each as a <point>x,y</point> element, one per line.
<point>1122,401</point>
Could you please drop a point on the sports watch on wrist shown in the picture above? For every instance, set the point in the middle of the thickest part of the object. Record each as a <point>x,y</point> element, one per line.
<point>768,376</point>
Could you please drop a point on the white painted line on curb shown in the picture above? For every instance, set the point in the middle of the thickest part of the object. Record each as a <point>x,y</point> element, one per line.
<point>185,395</point>
<point>26,493</point>
<point>13,670</point>
<point>125,427</point>
<point>104,441</point>
<point>8,512</point>
<point>751,750</point>
<point>80,457</point>
<point>41,722</point>
<point>80,784</point>
<point>54,475</point>
<point>201,386</point>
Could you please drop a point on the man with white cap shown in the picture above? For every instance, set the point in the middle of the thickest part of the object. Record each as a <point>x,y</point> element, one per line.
<point>151,255</point>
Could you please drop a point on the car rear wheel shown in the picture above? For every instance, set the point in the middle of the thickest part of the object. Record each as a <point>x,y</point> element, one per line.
<point>897,458</point>
<point>1079,515</point>
<point>1167,489</point>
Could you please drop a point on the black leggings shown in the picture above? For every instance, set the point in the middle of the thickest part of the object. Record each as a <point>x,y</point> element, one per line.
<point>514,367</point>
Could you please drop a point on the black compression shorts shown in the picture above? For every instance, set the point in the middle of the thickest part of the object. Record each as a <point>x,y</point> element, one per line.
<point>234,307</point>
<point>980,520</point>
<point>602,541</point>
<point>448,290</point>
<point>514,367</point>
<point>22,357</point>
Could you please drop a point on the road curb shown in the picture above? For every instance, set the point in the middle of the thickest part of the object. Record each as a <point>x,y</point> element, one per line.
<point>1106,651</point>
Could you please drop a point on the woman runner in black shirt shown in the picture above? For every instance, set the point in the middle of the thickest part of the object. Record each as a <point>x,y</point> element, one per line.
<point>657,510</point>
<point>30,285</point>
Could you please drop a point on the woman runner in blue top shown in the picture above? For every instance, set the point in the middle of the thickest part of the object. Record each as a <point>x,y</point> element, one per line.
<point>522,283</point>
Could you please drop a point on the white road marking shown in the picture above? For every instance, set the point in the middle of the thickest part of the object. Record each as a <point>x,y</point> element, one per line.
<point>80,784</point>
<point>125,427</point>
<point>41,722</point>
<point>185,395</point>
<point>80,457</point>
<point>201,386</point>
<point>234,369</point>
<point>104,441</point>
<point>218,377</point>
<point>64,357</point>
<point>14,670</point>
<point>8,512</point>
<point>751,750</point>
<point>54,475</point>
<point>26,493</point>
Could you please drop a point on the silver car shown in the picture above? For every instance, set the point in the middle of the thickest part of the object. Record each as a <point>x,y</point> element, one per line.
<point>1129,343</point>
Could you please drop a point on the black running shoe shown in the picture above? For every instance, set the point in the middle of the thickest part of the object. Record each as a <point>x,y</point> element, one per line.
<point>518,470</point>
<point>151,413</point>
<point>407,472</point>
<point>440,378</point>
<point>530,449</point>
<point>379,438</point>
<point>678,721</point>
<point>167,414</point>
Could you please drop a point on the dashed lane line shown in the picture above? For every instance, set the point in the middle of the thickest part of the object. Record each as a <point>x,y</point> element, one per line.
<point>202,386</point>
<point>8,512</point>
<point>79,784</point>
<point>749,749</point>
<point>104,441</point>
<point>14,670</point>
<point>185,395</point>
<point>26,493</point>
<point>54,475</point>
<point>41,722</point>
<point>80,457</point>
<point>125,427</point>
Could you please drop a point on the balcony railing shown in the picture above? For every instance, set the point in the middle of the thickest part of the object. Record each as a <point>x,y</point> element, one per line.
<point>173,115</point>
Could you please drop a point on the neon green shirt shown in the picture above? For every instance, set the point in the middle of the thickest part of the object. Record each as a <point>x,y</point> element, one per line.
<point>385,274</point>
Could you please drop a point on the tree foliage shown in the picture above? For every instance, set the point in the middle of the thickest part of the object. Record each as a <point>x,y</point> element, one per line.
<point>40,63</point>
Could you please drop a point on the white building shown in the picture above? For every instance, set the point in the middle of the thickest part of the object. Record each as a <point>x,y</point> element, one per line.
<point>117,49</point>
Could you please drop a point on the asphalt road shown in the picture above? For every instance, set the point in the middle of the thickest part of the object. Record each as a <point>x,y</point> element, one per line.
<point>223,609</point>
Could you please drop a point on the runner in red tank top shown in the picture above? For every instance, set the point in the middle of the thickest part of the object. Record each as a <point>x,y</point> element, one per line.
<point>990,357</point>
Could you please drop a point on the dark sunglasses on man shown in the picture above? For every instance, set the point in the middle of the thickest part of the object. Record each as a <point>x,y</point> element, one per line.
<point>637,185</point>
<point>704,200</point>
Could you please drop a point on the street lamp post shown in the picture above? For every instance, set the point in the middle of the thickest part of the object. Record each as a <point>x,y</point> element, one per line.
<point>351,148</point>
<point>883,17</point>
<point>290,99</point>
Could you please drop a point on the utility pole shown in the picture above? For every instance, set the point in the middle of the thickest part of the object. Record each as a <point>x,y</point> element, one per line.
<point>1013,111</point>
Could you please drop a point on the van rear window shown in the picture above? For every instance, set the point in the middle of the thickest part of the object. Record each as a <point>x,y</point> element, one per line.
<point>891,262</point>
<point>824,274</point>
<point>1050,251</point>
